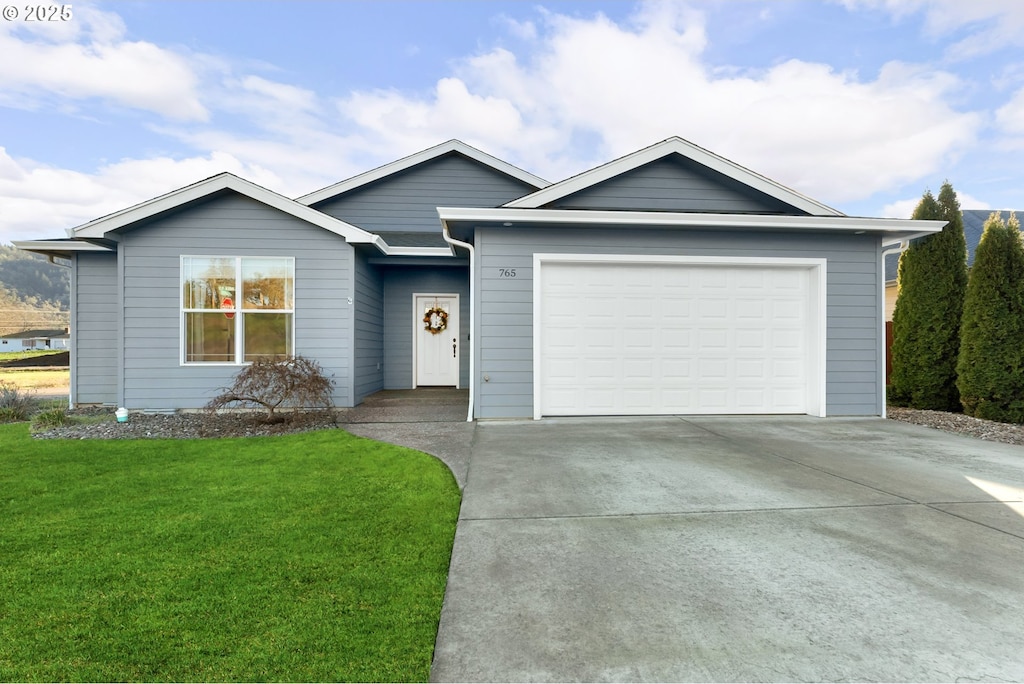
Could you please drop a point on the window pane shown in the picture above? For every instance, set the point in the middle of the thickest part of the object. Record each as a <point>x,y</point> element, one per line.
<point>267,283</point>
<point>267,335</point>
<point>209,337</point>
<point>207,282</point>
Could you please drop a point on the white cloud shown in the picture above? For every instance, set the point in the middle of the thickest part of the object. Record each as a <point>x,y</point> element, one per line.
<point>585,90</point>
<point>905,208</point>
<point>990,25</point>
<point>41,201</point>
<point>833,135</point>
<point>1010,117</point>
<point>89,57</point>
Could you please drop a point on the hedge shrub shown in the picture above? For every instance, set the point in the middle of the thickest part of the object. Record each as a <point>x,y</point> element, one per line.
<point>926,321</point>
<point>991,362</point>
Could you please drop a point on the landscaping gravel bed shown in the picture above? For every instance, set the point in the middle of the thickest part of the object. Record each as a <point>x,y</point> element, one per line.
<point>958,423</point>
<point>101,424</point>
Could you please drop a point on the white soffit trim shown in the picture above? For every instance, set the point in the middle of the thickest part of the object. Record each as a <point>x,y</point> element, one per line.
<point>57,246</point>
<point>418,158</point>
<point>222,181</point>
<point>674,145</point>
<point>901,229</point>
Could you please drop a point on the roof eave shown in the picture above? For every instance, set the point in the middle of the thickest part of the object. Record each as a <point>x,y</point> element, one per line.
<point>63,249</point>
<point>892,230</point>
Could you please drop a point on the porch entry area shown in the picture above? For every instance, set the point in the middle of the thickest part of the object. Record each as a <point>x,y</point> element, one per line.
<point>436,340</point>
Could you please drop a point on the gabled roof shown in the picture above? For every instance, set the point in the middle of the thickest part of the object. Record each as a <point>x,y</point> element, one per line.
<point>428,154</point>
<point>215,184</point>
<point>671,146</point>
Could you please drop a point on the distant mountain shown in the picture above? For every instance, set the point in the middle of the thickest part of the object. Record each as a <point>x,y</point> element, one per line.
<point>33,292</point>
<point>32,279</point>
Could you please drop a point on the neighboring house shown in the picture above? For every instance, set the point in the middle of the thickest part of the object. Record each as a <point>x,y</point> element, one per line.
<point>974,226</point>
<point>668,281</point>
<point>35,339</point>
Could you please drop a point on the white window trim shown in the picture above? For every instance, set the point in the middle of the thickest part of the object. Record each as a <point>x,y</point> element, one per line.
<point>816,392</point>
<point>239,312</point>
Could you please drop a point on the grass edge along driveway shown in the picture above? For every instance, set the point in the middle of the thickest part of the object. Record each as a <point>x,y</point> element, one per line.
<point>310,557</point>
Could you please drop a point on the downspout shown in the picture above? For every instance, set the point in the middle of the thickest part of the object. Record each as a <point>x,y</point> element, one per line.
<point>472,311</point>
<point>885,378</point>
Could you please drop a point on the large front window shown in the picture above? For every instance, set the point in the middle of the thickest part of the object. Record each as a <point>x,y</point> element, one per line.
<point>237,309</point>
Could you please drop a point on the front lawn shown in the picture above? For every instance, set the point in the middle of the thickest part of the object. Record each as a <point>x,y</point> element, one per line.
<point>310,557</point>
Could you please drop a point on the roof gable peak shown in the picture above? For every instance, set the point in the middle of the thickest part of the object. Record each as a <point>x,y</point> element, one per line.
<point>435,152</point>
<point>98,228</point>
<point>667,148</point>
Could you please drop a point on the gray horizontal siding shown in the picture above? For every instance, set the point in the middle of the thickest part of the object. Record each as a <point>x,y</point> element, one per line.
<point>94,330</point>
<point>408,201</point>
<point>399,285</point>
<point>674,184</point>
<point>229,225</point>
<point>505,316</point>
<point>368,330</point>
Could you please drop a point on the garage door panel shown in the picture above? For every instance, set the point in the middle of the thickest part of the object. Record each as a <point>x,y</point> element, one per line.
<point>624,339</point>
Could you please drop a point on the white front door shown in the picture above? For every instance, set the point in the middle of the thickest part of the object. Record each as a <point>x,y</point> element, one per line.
<point>436,335</point>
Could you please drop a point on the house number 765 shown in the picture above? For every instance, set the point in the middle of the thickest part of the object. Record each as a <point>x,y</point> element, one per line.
<point>506,273</point>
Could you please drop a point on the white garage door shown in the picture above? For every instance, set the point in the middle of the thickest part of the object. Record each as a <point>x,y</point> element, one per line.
<point>625,338</point>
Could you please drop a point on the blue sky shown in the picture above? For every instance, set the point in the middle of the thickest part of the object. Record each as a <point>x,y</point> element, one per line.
<point>861,104</point>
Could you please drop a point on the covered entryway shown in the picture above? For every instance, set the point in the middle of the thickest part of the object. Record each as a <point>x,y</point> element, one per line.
<point>627,335</point>
<point>436,353</point>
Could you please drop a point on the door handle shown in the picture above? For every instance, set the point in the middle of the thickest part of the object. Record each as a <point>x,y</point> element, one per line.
<point>454,342</point>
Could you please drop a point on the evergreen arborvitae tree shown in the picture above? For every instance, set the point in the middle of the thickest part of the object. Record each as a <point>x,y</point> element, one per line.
<point>991,365</point>
<point>926,321</point>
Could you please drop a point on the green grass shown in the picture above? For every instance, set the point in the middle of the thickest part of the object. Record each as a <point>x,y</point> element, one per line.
<point>311,557</point>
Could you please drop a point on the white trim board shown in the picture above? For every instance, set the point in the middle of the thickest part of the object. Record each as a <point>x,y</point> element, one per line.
<point>674,145</point>
<point>418,158</point>
<point>816,367</point>
<point>892,230</point>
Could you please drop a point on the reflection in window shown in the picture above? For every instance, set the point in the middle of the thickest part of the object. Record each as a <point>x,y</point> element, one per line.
<point>221,328</point>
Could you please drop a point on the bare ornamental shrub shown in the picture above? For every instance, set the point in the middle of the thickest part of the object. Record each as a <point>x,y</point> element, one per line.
<point>15,405</point>
<point>273,384</point>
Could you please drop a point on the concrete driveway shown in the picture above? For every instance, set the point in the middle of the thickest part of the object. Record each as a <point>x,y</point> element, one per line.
<point>735,549</point>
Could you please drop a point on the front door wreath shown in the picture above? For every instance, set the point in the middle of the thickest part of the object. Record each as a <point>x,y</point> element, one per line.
<point>435,320</point>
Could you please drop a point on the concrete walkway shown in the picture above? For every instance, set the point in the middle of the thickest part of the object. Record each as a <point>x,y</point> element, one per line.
<point>431,419</point>
<point>735,549</point>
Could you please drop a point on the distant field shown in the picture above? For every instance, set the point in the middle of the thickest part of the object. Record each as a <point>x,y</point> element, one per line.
<point>34,379</point>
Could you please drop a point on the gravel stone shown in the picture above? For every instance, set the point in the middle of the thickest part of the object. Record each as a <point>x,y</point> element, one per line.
<point>100,423</point>
<point>960,424</point>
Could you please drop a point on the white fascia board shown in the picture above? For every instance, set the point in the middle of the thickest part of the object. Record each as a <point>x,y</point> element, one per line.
<point>57,246</point>
<point>384,248</point>
<point>224,181</point>
<point>899,229</point>
<point>419,251</point>
<point>418,158</point>
<point>687,149</point>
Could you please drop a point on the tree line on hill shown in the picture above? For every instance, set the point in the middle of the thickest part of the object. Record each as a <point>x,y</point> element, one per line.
<point>34,294</point>
<point>958,333</point>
